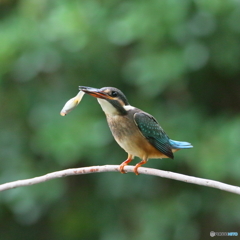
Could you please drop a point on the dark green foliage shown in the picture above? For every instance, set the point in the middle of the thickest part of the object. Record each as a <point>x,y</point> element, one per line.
<point>177,60</point>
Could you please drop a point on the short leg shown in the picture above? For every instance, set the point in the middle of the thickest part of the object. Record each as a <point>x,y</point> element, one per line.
<point>129,159</point>
<point>139,165</point>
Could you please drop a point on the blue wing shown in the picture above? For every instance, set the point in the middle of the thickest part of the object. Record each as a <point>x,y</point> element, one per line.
<point>152,131</point>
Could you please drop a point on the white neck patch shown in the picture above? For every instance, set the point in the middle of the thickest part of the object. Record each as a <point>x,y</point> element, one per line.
<point>128,107</point>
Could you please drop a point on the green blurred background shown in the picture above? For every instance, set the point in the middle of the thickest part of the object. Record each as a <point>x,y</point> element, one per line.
<point>177,60</point>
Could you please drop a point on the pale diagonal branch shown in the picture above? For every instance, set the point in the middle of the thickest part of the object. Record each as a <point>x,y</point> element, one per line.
<point>115,168</point>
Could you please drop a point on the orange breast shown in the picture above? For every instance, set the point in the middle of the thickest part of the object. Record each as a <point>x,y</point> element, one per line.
<point>129,137</point>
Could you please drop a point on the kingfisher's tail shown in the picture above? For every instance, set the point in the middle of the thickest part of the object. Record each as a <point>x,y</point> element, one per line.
<point>179,145</point>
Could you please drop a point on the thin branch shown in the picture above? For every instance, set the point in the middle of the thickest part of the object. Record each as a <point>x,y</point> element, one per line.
<point>115,168</point>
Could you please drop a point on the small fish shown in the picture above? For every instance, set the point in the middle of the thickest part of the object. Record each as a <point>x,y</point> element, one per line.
<point>72,103</point>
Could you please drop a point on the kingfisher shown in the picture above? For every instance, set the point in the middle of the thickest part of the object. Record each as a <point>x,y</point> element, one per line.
<point>136,131</point>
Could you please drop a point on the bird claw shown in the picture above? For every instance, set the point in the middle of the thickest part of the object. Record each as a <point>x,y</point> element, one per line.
<point>139,165</point>
<point>136,170</point>
<point>126,162</point>
<point>122,168</point>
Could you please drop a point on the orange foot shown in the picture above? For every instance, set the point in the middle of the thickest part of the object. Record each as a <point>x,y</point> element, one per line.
<point>129,159</point>
<point>139,165</point>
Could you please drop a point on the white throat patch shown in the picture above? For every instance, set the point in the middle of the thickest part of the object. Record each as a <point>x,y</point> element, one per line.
<point>107,107</point>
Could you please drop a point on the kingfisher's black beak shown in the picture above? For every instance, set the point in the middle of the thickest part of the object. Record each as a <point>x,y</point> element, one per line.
<point>95,92</point>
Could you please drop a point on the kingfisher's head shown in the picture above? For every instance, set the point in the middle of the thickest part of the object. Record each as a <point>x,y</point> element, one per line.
<point>112,100</point>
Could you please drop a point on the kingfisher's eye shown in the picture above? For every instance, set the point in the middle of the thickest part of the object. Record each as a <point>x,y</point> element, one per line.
<point>114,94</point>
